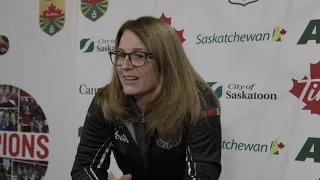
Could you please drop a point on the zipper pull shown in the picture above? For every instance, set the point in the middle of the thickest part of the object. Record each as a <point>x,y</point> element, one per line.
<point>143,118</point>
<point>146,164</point>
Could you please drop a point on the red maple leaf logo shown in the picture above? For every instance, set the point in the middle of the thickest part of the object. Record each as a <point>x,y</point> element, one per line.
<point>283,32</point>
<point>52,12</point>
<point>309,89</point>
<point>281,145</point>
<point>179,33</point>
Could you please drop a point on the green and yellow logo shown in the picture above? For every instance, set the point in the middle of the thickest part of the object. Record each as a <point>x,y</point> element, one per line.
<point>273,149</point>
<point>52,16</point>
<point>236,37</point>
<point>94,9</point>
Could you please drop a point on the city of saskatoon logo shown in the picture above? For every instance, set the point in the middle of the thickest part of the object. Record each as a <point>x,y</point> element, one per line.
<point>88,45</point>
<point>4,45</point>
<point>247,91</point>
<point>23,135</point>
<point>52,16</point>
<point>179,33</point>
<point>94,9</point>
<point>308,89</point>
<point>237,37</point>
<point>216,87</point>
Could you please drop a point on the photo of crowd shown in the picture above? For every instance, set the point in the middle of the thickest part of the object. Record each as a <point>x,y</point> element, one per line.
<point>31,115</point>
<point>9,96</point>
<point>5,168</point>
<point>29,170</point>
<point>9,120</point>
<point>20,112</point>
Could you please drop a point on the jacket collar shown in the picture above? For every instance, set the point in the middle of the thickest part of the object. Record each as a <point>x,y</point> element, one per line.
<point>133,107</point>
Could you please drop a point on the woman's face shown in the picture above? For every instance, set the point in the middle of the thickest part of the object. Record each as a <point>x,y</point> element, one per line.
<point>136,81</point>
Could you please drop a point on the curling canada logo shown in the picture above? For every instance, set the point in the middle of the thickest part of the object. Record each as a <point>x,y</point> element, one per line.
<point>180,32</point>
<point>308,89</point>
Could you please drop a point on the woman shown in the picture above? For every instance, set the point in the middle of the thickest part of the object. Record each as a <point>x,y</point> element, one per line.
<point>157,115</point>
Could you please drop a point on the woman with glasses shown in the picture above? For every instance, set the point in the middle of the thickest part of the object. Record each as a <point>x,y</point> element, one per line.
<point>157,115</point>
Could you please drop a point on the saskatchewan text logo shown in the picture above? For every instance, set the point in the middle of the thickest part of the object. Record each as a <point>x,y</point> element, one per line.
<point>308,89</point>
<point>88,45</point>
<point>237,37</point>
<point>179,33</point>
<point>273,148</point>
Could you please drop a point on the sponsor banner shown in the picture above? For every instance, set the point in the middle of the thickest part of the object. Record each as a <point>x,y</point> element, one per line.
<point>238,37</point>
<point>261,59</point>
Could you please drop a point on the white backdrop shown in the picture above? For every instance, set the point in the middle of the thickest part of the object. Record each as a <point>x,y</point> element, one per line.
<point>254,54</point>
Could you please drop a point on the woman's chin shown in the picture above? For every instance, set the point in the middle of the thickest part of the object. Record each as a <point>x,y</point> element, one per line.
<point>130,92</point>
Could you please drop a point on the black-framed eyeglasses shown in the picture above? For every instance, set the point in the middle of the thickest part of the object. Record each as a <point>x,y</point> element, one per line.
<point>136,58</point>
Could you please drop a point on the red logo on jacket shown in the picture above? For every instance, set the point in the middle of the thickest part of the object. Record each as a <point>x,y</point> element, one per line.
<point>210,112</point>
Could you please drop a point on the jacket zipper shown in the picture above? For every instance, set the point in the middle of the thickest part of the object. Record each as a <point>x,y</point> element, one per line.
<point>146,149</point>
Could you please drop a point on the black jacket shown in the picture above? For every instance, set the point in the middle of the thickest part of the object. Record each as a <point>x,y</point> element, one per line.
<point>197,156</point>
